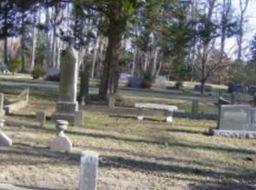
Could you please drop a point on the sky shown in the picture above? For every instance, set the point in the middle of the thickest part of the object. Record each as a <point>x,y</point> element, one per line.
<point>250,29</point>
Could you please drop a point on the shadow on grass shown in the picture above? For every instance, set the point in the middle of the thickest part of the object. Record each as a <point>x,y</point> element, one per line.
<point>225,186</point>
<point>165,143</point>
<point>37,188</point>
<point>27,116</point>
<point>128,163</point>
<point>150,156</point>
<point>139,140</point>
<point>175,130</point>
<point>148,166</point>
<point>41,152</point>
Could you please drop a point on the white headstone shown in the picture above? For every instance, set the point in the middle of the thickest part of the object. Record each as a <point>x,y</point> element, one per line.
<point>1,104</point>
<point>61,142</point>
<point>88,171</point>
<point>4,139</point>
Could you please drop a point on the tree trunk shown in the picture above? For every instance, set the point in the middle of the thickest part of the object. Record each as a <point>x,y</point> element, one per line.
<point>202,86</point>
<point>110,73</point>
<point>95,55</point>
<point>34,43</point>
<point>84,84</point>
<point>23,45</point>
<point>6,37</point>
<point>134,61</point>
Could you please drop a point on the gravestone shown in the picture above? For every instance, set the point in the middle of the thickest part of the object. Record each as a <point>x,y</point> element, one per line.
<point>135,82</point>
<point>79,119</point>
<point>161,80</point>
<point>67,105</point>
<point>2,104</point>
<point>41,117</point>
<point>198,87</point>
<point>88,171</point>
<point>195,107</point>
<point>237,121</point>
<point>61,142</point>
<point>4,139</point>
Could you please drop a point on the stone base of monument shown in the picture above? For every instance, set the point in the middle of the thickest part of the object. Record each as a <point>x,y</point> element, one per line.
<point>68,111</point>
<point>233,133</point>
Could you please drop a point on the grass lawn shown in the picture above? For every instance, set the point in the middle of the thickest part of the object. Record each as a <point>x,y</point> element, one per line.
<point>137,155</point>
<point>133,154</point>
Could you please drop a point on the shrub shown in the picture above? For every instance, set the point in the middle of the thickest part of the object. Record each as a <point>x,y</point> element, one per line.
<point>15,65</point>
<point>147,82</point>
<point>38,72</point>
<point>178,85</point>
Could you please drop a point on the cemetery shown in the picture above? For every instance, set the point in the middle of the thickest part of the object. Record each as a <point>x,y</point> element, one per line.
<point>129,94</point>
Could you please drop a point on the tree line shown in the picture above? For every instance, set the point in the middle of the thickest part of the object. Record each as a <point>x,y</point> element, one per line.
<point>182,39</point>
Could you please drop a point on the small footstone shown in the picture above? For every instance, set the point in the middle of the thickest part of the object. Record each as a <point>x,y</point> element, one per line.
<point>169,119</point>
<point>61,143</point>
<point>5,140</point>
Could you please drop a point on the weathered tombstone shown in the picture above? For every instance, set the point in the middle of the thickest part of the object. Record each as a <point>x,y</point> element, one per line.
<point>41,117</point>
<point>61,142</point>
<point>79,119</point>
<point>169,116</point>
<point>195,107</point>
<point>67,106</point>
<point>160,80</point>
<point>4,139</point>
<point>135,82</point>
<point>2,104</point>
<point>237,120</point>
<point>88,171</point>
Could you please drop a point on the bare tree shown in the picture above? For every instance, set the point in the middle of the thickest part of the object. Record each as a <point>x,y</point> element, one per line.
<point>206,42</point>
<point>243,5</point>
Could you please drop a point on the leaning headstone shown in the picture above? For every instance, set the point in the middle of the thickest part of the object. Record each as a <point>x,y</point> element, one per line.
<point>237,121</point>
<point>61,142</point>
<point>1,104</point>
<point>88,171</point>
<point>41,117</point>
<point>67,106</point>
<point>4,139</point>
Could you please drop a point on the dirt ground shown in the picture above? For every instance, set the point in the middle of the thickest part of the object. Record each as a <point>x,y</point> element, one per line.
<point>133,155</point>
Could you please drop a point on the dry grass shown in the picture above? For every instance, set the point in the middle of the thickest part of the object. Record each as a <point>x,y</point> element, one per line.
<point>140,155</point>
<point>137,155</point>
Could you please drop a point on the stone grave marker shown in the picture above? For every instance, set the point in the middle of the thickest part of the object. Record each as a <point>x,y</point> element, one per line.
<point>195,107</point>
<point>79,119</point>
<point>2,104</point>
<point>4,139</point>
<point>61,142</point>
<point>41,117</point>
<point>67,105</point>
<point>237,121</point>
<point>88,171</point>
